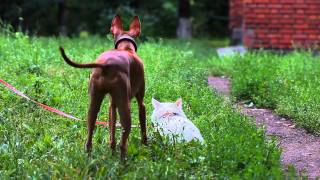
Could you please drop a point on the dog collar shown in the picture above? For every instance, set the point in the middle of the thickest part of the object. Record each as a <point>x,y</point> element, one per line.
<point>125,37</point>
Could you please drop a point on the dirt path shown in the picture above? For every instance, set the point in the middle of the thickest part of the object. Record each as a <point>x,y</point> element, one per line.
<point>300,149</point>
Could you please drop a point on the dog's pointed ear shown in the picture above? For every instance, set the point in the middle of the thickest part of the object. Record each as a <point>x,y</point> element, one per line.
<point>135,27</point>
<point>179,103</point>
<point>155,103</point>
<point>116,26</point>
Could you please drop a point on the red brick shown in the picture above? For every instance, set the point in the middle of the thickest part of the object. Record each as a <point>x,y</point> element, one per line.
<point>274,42</point>
<point>301,26</point>
<point>287,21</point>
<point>262,31</point>
<point>287,11</point>
<point>261,1</point>
<point>312,31</point>
<point>298,16</point>
<point>263,11</point>
<point>273,36</point>
<point>299,36</point>
<point>313,7</point>
<point>299,21</point>
<point>275,6</point>
<point>300,6</point>
<point>312,17</point>
<point>287,16</point>
<point>298,31</point>
<point>300,11</point>
<point>286,26</point>
<point>274,11</point>
<point>275,16</point>
<point>287,31</point>
<point>250,15</point>
<point>261,35</point>
<point>312,36</point>
<point>287,1</point>
<point>287,6</point>
<point>286,38</point>
<point>274,21</point>
<point>314,1</point>
<point>261,16</point>
<point>312,11</point>
<point>275,26</point>
<point>261,5</point>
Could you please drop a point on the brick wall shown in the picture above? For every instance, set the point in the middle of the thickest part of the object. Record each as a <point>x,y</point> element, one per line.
<point>235,13</point>
<point>277,23</point>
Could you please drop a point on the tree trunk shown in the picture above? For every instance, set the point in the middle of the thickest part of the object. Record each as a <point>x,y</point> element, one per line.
<point>184,30</point>
<point>62,17</point>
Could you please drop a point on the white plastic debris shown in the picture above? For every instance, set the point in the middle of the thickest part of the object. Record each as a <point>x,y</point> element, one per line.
<point>231,51</point>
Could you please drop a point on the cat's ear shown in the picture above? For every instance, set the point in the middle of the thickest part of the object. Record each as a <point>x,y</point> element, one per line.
<point>179,103</point>
<point>155,103</point>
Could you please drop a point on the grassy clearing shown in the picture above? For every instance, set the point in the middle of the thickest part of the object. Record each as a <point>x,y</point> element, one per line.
<point>36,143</point>
<point>290,84</point>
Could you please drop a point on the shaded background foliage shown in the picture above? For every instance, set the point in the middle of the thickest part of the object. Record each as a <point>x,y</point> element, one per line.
<point>159,17</point>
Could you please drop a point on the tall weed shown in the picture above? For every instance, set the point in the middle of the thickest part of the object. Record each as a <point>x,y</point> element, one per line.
<point>287,83</point>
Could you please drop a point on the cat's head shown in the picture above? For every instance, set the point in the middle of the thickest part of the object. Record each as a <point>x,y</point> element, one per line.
<point>162,109</point>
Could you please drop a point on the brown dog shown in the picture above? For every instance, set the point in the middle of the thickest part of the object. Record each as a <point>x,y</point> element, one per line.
<point>118,72</point>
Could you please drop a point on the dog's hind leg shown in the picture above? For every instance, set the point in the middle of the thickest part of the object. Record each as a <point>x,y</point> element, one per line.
<point>125,120</point>
<point>112,124</point>
<point>142,116</point>
<point>96,99</point>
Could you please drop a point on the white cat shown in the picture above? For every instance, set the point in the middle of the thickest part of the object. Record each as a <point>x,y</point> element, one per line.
<point>170,120</point>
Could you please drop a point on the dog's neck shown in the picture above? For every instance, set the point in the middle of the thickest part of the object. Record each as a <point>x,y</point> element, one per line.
<point>125,42</point>
<point>125,45</point>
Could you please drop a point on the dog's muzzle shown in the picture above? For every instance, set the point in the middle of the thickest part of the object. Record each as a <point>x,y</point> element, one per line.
<point>125,37</point>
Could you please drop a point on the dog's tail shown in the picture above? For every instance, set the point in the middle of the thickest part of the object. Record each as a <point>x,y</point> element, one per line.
<point>77,65</point>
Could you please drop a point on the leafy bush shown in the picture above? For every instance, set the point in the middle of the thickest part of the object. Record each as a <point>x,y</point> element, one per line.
<point>38,144</point>
<point>159,17</point>
<point>287,83</point>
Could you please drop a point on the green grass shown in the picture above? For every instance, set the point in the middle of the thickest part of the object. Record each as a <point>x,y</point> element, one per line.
<point>38,144</point>
<point>290,84</point>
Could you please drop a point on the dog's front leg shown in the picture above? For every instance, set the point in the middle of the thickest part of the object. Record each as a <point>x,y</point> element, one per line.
<point>95,103</point>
